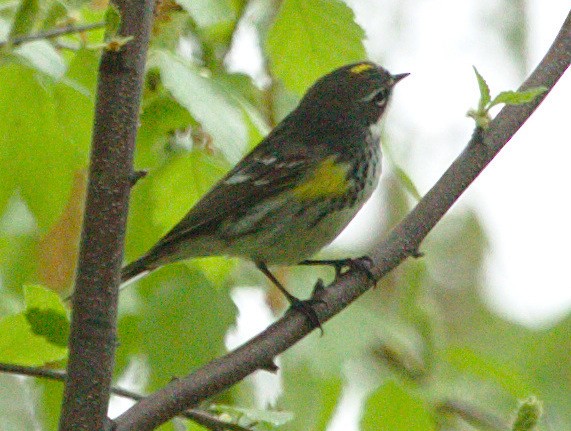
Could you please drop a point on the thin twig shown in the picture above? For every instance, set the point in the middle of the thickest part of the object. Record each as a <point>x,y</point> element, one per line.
<point>33,371</point>
<point>74,47</point>
<point>402,242</point>
<point>50,34</point>
<point>137,175</point>
<point>199,416</point>
<point>472,414</point>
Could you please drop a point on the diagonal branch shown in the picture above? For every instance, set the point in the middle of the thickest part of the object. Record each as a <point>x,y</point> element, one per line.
<point>402,241</point>
<point>50,34</point>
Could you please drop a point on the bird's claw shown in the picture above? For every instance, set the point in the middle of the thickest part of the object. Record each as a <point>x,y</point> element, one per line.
<point>307,308</point>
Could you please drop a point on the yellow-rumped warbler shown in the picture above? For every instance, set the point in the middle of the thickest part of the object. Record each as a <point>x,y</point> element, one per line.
<point>297,190</point>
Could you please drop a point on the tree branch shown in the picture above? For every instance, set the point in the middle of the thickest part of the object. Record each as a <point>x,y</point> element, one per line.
<point>199,416</point>
<point>401,242</point>
<point>32,371</point>
<point>50,34</point>
<point>94,318</point>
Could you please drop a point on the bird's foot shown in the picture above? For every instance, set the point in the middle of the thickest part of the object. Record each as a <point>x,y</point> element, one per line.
<point>362,264</point>
<point>307,308</point>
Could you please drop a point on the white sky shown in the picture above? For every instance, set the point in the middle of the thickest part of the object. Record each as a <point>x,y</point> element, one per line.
<point>529,206</point>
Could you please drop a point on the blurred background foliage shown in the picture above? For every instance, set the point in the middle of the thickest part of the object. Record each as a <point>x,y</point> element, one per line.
<point>422,351</point>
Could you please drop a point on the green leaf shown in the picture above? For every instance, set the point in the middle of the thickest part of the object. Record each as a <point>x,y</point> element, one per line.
<point>518,97</point>
<point>161,118</point>
<point>112,21</point>
<point>329,397</point>
<point>162,198</point>
<point>74,97</point>
<point>34,149</point>
<point>18,244</point>
<point>545,356</point>
<point>49,403</point>
<point>25,18</point>
<point>180,184</point>
<point>128,333</point>
<point>56,13</point>
<point>263,419</point>
<point>46,314</point>
<point>7,182</point>
<point>309,39</point>
<point>528,415</point>
<point>243,92</point>
<point>484,91</point>
<point>18,259</point>
<point>216,268</point>
<point>4,31</point>
<point>38,297</point>
<point>184,319</point>
<point>207,13</point>
<point>207,102</point>
<point>169,29</point>
<point>486,369</point>
<point>407,183</point>
<point>306,393</point>
<point>114,42</point>
<point>41,55</point>
<point>393,408</point>
<point>190,426</point>
<point>142,232</point>
<point>38,335</point>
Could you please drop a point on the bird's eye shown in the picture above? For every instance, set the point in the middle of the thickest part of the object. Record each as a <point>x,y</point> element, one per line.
<point>381,97</point>
<point>378,97</point>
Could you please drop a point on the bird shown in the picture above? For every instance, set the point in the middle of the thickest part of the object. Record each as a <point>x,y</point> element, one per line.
<point>296,190</point>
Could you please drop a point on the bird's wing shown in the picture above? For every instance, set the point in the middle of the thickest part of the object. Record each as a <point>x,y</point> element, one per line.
<point>263,173</point>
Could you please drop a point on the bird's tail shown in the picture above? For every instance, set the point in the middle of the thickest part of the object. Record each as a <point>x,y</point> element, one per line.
<point>131,272</point>
<point>136,269</point>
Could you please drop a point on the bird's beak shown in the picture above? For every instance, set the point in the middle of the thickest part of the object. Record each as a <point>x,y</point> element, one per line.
<point>397,78</point>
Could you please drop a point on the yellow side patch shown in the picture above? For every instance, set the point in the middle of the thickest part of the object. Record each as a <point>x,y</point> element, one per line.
<point>328,180</point>
<point>360,68</point>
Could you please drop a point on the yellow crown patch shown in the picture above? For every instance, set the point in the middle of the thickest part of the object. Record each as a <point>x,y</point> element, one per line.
<point>360,68</point>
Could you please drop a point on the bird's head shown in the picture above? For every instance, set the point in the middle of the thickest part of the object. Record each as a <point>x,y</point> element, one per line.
<point>356,93</point>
